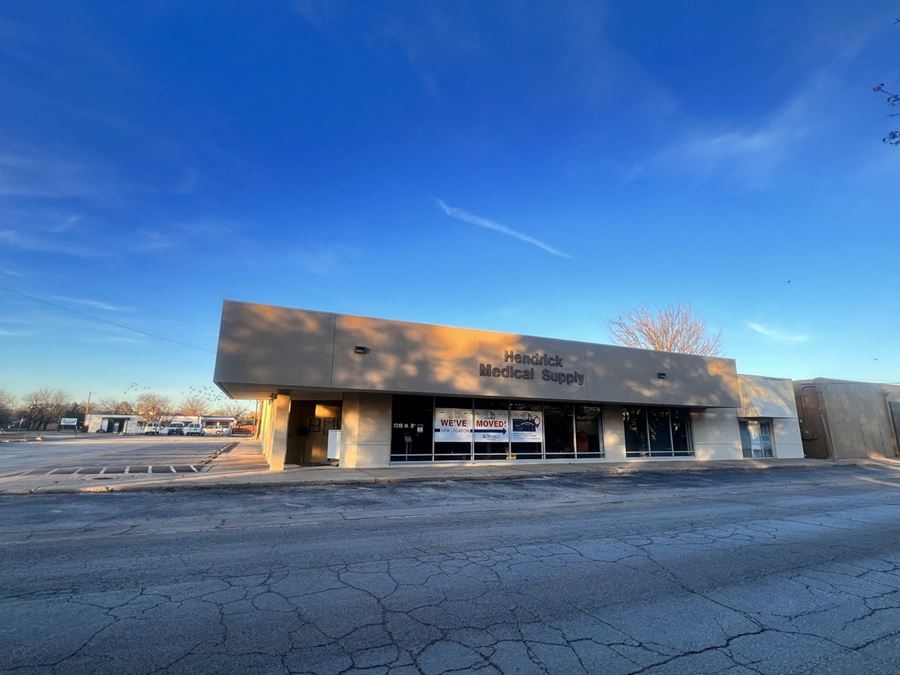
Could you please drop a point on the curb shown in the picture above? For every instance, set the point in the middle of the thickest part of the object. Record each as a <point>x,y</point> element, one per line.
<point>547,470</point>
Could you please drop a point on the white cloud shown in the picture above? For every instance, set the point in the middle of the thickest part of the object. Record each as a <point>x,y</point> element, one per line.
<point>96,304</point>
<point>752,150</point>
<point>775,334</point>
<point>46,244</point>
<point>115,339</point>
<point>156,240</point>
<point>467,217</point>
<point>322,262</point>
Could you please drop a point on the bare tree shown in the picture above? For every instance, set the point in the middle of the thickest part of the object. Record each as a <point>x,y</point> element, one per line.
<point>112,405</point>
<point>7,408</point>
<point>193,405</point>
<point>892,98</point>
<point>152,407</point>
<point>43,407</point>
<point>672,328</point>
<point>236,409</point>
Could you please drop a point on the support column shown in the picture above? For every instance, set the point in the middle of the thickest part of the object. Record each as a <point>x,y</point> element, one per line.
<point>366,431</point>
<point>265,435</point>
<point>613,433</point>
<point>281,412</point>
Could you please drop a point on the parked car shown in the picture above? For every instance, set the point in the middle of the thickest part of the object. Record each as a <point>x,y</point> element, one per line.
<point>216,430</point>
<point>193,429</point>
<point>174,429</point>
<point>150,430</point>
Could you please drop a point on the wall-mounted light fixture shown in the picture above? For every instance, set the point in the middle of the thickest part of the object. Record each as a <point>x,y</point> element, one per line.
<point>661,376</point>
<point>361,349</point>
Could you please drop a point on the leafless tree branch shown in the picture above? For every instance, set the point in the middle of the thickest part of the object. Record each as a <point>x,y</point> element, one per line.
<point>672,328</point>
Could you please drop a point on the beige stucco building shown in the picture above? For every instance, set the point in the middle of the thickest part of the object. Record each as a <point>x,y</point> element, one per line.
<point>403,393</point>
<point>840,419</point>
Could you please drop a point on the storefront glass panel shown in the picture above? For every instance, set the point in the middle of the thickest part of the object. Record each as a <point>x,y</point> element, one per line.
<point>411,428</point>
<point>588,434</point>
<point>657,432</point>
<point>559,431</point>
<point>452,429</point>
<point>526,422</point>
<point>635,421</point>
<point>680,441</point>
<point>658,429</point>
<point>491,431</point>
<point>756,438</point>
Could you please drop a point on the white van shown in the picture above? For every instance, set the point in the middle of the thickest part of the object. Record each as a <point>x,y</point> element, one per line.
<point>173,429</point>
<point>193,429</point>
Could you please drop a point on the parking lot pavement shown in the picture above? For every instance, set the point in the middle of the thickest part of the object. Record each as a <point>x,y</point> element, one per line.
<point>90,453</point>
<point>793,571</point>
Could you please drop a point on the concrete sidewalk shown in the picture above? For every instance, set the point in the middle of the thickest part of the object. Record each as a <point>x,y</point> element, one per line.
<point>244,467</point>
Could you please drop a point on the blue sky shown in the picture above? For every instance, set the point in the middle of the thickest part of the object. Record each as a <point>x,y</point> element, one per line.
<point>528,167</point>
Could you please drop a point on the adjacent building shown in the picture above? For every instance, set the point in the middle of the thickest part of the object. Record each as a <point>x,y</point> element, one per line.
<point>396,393</point>
<point>848,420</point>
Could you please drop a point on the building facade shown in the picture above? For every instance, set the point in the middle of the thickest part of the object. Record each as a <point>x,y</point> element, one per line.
<point>840,419</point>
<point>405,393</point>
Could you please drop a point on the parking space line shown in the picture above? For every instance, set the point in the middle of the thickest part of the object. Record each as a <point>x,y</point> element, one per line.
<point>172,469</point>
<point>194,468</point>
<point>75,472</point>
<point>103,471</point>
<point>127,469</point>
<point>150,469</point>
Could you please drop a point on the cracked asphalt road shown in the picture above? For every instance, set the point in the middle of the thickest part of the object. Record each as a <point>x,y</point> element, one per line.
<point>733,571</point>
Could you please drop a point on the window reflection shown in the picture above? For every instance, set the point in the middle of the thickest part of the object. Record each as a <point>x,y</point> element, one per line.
<point>657,432</point>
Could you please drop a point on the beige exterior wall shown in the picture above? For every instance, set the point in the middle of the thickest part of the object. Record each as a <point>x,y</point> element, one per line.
<point>265,349</point>
<point>857,417</point>
<point>265,425</point>
<point>281,410</point>
<point>773,398</point>
<point>613,433</point>
<point>786,436</point>
<point>366,431</point>
<point>716,434</point>
<point>766,397</point>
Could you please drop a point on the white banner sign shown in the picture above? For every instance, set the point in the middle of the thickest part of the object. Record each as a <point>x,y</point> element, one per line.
<point>526,426</point>
<point>68,422</point>
<point>452,425</point>
<point>491,426</point>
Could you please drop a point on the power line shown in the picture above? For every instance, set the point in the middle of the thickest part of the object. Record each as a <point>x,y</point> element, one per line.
<point>106,321</point>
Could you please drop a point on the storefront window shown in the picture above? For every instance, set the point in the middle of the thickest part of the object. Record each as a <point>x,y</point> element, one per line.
<point>657,432</point>
<point>526,422</point>
<point>444,428</point>
<point>559,431</point>
<point>680,442</point>
<point>411,428</point>
<point>588,435</point>
<point>453,424</point>
<point>756,438</point>
<point>635,420</point>
<point>491,431</point>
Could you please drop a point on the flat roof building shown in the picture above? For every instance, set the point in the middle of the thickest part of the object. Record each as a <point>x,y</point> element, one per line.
<point>840,419</point>
<point>402,393</point>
